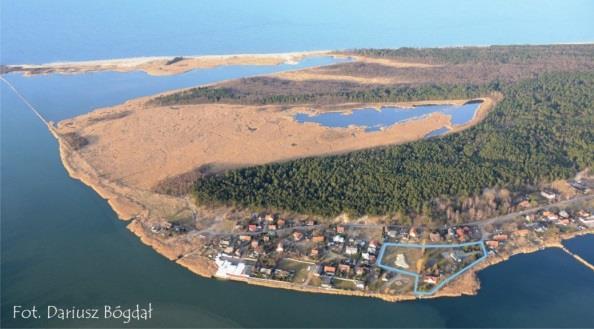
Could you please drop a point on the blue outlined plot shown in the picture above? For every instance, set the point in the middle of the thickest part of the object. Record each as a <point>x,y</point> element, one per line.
<point>417,277</point>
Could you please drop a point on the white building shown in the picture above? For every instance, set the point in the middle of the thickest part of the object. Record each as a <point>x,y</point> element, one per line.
<point>227,268</point>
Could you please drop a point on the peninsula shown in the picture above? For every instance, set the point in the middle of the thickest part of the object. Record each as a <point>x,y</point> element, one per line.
<point>224,180</point>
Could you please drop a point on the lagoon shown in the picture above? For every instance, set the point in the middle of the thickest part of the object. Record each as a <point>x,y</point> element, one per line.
<point>375,120</point>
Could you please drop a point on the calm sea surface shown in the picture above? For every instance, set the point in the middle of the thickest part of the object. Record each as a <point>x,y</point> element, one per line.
<point>62,245</point>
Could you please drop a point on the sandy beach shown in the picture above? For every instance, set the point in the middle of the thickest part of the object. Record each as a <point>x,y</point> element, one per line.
<point>163,65</point>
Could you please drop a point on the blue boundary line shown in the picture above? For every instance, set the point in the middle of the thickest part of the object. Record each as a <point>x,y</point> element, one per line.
<point>418,276</point>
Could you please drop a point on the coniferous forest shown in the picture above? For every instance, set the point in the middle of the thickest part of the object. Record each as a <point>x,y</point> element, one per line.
<point>542,130</point>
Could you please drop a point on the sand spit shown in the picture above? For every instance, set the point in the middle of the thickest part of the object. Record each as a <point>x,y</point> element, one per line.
<point>321,74</point>
<point>392,63</point>
<point>159,66</point>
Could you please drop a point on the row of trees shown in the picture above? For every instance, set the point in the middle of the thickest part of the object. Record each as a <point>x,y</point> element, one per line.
<point>540,131</point>
<point>402,93</point>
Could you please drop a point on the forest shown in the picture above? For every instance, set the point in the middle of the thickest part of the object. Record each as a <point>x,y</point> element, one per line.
<point>483,55</point>
<point>540,131</point>
<point>400,93</point>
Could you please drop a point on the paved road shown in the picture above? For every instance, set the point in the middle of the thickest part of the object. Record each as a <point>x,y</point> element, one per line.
<point>504,218</point>
<point>481,223</point>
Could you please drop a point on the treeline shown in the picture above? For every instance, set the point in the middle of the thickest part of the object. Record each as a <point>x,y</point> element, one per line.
<point>541,131</point>
<point>483,55</point>
<point>202,95</point>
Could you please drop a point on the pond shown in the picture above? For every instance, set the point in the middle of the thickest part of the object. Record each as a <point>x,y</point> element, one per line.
<point>374,120</point>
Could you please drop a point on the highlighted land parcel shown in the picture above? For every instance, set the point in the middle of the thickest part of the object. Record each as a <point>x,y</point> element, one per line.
<point>431,265</point>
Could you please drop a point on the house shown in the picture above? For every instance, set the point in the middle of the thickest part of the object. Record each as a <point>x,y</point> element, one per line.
<point>351,250</point>
<point>156,228</point>
<point>329,270</point>
<point>434,237</point>
<point>492,244</point>
<point>500,237</point>
<point>579,186</point>
<point>314,252</point>
<point>271,227</point>
<point>586,220</point>
<point>252,227</point>
<point>401,261</point>
<point>360,285</point>
<point>226,268</point>
<point>412,232</point>
<point>279,247</point>
<point>255,244</point>
<point>280,223</point>
<point>432,279</point>
<point>548,195</point>
<point>340,229</point>
<point>269,218</point>
<point>344,268</point>
<point>392,233</point>
<point>563,222</point>
<point>460,234</point>
<point>317,239</point>
<point>522,232</point>
<point>359,270</point>
<point>281,274</point>
<point>524,204</point>
<point>297,236</point>
<point>311,222</point>
<point>564,214</point>
<point>245,237</point>
<point>550,215</point>
<point>338,239</point>
<point>266,271</point>
<point>451,232</point>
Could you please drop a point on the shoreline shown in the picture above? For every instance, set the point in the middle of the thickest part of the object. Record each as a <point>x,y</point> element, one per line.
<point>163,65</point>
<point>143,208</point>
<point>466,284</point>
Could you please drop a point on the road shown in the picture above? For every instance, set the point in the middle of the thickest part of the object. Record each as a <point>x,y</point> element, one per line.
<point>481,223</point>
<point>507,217</point>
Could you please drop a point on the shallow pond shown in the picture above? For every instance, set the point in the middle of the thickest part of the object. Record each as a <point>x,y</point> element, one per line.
<point>374,120</point>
